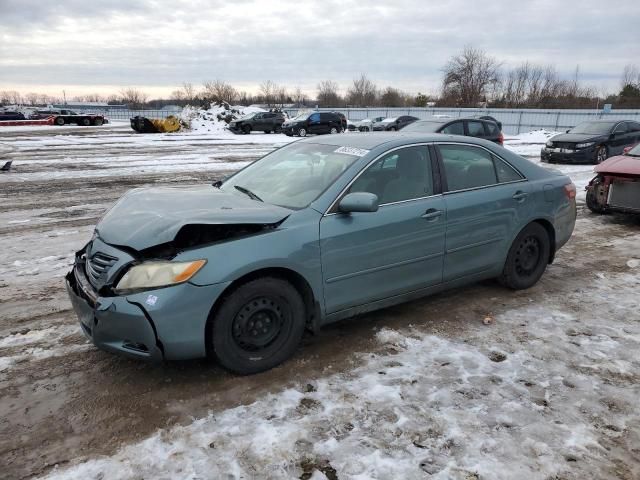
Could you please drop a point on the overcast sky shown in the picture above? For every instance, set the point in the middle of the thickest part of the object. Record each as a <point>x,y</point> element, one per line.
<point>86,46</point>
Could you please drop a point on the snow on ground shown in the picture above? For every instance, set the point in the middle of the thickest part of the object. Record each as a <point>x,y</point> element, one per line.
<point>529,145</point>
<point>452,409</point>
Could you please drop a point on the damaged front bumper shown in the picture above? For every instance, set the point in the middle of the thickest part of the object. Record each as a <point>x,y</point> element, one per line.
<point>162,324</point>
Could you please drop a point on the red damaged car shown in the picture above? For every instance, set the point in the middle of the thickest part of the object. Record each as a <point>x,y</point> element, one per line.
<point>616,187</point>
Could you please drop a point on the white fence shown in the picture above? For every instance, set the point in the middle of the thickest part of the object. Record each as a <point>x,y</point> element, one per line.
<point>514,121</point>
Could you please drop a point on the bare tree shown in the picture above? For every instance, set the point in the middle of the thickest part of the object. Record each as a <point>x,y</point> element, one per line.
<point>219,91</point>
<point>328,95</point>
<point>281,96</point>
<point>392,97</point>
<point>470,76</point>
<point>32,98</point>
<point>185,93</point>
<point>268,90</point>
<point>133,97</point>
<point>298,97</point>
<point>630,76</point>
<point>363,92</point>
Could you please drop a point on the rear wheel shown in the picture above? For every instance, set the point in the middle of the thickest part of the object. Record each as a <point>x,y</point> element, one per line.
<point>302,132</point>
<point>601,154</point>
<point>267,131</point>
<point>392,129</point>
<point>527,258</point>
<point>85,122</point>
<point>59,120</point>
<point>258,326</point>
<point>333,130</point>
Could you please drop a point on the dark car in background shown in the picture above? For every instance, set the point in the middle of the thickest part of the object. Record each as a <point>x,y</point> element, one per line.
<point>343,120</point>
<point>616,186</point>
<point>12,116</point>
<point>313,123</point>
<point>591,142</point>
<point>470,127</point>
<point>393,124</point>
<point>266,122</point>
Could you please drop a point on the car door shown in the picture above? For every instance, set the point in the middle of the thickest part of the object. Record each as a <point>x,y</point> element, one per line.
<point>486,201</point>
<point>315,123</point>
<point>397,249</point>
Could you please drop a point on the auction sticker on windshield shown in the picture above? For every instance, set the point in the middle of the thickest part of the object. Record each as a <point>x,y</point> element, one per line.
<point>358,152</point>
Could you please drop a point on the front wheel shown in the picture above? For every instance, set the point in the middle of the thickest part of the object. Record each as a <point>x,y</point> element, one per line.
<point>527,258</point>
<point>302,132</point>
<point>258,326</point>
<point>333,130</point>
<point>601,154</point>
<point>393,129</point>
<point>59,120</point>
<point>596,199</point>
<point>86,122</point>
<point>246,129</point>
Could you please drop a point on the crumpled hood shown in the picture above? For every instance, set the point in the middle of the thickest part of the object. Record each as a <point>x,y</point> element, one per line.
<point>620,164</point>
<point>146,217</point>
<point>576,137</point>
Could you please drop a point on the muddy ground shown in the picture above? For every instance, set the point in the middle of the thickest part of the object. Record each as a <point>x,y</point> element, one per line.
<point>62,400</point>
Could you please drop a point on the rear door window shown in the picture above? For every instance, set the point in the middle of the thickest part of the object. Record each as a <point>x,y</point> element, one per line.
<point>456,128</point>
<point>467,167</point>
<point>475,129</point>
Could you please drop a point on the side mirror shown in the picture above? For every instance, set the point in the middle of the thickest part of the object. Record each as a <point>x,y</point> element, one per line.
<point>626,150</point>
<point>568,130</point>
<point>359,202</point>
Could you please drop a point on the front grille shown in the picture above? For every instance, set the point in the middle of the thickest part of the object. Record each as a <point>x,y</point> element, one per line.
<point>625,195</point>
<point>571,146</point>
<point>98,265</point>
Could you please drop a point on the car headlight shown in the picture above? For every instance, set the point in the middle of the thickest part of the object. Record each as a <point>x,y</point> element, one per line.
<point>585,145</point>
<point>158,274</point>
<point>549,143</point>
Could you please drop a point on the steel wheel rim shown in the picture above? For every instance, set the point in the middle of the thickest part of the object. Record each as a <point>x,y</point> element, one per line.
<point>259,324</point>
<point>528,256</point>
<point>602,155</point>
<point>334,131</point>
<point>302,132</point>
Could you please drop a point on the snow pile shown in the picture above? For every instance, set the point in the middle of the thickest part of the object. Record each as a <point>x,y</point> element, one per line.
<point>550,404</point>
<point>213,119</point>
<point>529,143</point>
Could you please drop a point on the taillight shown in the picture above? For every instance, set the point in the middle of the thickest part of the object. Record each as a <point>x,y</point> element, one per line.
<point>570,191</point>
<point>501,139</point>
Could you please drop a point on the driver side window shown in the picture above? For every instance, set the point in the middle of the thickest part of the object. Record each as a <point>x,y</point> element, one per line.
<point>621,128</point>
<point>403,174</point>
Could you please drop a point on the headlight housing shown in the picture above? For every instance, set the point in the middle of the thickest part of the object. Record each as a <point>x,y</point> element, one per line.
<point>158,274</point>
<point>585,145</point>
<point>549,143</point>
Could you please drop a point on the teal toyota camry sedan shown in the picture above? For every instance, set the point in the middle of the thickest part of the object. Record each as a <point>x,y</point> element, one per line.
<point>317,231</point>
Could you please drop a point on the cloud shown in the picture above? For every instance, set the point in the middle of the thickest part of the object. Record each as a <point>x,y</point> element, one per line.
<point>162,43</point>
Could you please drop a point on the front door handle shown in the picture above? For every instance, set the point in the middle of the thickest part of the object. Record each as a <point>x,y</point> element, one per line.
<point>432,214</point>
<point>519,196</point>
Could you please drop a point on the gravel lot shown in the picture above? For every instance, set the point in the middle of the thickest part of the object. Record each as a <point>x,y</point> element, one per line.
<point>548,389</point>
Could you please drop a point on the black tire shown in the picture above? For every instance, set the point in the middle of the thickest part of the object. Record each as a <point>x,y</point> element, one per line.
<point>97,122</point>
<point>85,122</point>
<point>333,130</point>
<point>246,129</point>
<point>393,129</point>
<point>59,120</point>
<point>601,154</point>
<point>302,132</point>
<point>258,326</point>
<point>267,131</point>
<point>527,259</point>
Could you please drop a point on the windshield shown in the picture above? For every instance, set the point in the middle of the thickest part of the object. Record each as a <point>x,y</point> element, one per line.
<point>595,128</point>
<point>293,176</point>
<point>423,126</point>
<point>635,151</point>
<point>248,116</point>
<point>389,120</point>
<point>302,116</point>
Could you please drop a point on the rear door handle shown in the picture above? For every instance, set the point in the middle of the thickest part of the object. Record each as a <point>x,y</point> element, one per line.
<point>432,214</point>
<point>520,196</point>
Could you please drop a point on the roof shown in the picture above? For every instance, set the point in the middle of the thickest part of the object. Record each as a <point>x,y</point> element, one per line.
<point>370,141</point>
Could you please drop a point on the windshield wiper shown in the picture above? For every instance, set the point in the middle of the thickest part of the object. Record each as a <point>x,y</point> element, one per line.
<point>248,192</point>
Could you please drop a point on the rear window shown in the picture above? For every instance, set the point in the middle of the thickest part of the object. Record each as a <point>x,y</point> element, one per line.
<point>492,128</point>
<point>476,129</point>
<point>455,128</point>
